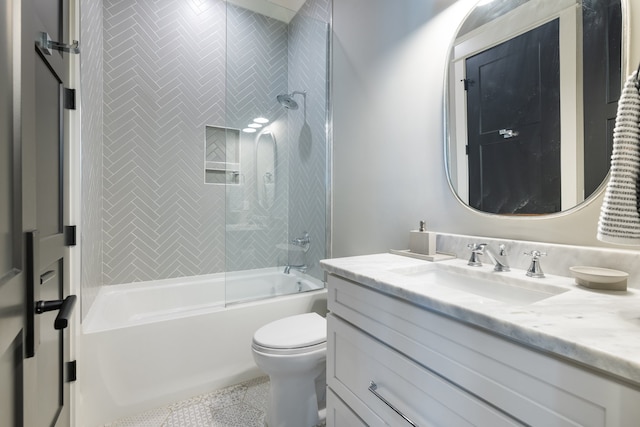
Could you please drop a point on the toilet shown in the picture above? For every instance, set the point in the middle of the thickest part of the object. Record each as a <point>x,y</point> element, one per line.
<point>293,351</point>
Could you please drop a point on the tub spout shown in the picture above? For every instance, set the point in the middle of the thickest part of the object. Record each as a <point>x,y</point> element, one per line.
<point>301,268</point>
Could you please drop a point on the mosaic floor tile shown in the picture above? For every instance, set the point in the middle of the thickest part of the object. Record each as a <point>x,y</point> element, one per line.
<point>227,396</point>
<point>153,418</point>
<point>242,405</point>
<point>198,415</point>
<point>238,415</point>
<point>201,398</point>
<point>258,394</point>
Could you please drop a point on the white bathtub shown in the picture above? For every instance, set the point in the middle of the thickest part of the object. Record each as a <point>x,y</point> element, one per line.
<point>147,344</point>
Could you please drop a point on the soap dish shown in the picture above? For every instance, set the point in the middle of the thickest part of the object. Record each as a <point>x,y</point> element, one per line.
<point>600,278</point>
<point>439,256</point>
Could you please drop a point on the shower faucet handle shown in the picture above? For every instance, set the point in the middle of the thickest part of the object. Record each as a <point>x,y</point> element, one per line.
<point>303,241</point>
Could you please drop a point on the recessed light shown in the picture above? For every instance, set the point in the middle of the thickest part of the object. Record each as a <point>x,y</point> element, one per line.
<point>261,120</point>
<point>248,130</point>
<point>255,125</point>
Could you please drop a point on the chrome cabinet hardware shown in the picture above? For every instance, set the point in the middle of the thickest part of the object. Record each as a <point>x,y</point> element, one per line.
<point>373,388</point>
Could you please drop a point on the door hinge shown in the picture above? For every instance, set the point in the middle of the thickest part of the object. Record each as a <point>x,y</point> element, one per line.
<point>72,372</point>
<point>69,235</point>
<point>69,99</point>
<point>466,150</point>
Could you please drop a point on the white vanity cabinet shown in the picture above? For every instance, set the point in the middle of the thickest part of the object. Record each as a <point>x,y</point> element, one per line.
<point>390,362</point>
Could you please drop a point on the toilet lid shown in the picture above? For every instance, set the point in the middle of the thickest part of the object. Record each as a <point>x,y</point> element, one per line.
<point>302,330</point>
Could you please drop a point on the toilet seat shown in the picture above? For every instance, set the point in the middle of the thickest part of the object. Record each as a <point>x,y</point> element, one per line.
<point>303,333</point>
<point>289,351</point>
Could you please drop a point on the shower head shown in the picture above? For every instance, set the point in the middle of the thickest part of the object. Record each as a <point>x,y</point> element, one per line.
<point>287,101</point>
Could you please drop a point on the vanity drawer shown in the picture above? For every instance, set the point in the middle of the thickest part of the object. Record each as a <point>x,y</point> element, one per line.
<point>339,414</point>
<point>531,387</point>
<point>355,361</point>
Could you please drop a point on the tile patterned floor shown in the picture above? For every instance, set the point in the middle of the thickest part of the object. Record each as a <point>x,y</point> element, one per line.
<point>242,405</point>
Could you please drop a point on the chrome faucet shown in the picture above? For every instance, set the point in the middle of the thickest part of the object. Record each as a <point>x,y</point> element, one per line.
<point>301,268</point>
<point>500,261</point>
<point>534,269</point>
<point>304,242</point>
<point>476,251</point>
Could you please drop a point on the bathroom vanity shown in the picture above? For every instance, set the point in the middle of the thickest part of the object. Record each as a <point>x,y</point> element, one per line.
<point>403,349</point>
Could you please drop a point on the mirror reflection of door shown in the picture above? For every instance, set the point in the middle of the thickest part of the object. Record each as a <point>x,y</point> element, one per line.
<point>513,121</point>
<point>602,61</point>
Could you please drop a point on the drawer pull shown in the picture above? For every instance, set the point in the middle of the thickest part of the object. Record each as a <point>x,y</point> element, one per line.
<point>373,387</point>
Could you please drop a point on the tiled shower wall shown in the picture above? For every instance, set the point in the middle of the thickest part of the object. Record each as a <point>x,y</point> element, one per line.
<point>164,75</point>
<point>146,212</point>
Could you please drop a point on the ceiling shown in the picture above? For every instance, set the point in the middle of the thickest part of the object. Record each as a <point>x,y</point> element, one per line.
<point>282,10</point>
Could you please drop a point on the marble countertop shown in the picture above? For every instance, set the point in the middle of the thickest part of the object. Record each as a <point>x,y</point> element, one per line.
<point>600,329</point>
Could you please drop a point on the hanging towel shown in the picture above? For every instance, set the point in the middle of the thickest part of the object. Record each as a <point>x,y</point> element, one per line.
<point>619,216</point>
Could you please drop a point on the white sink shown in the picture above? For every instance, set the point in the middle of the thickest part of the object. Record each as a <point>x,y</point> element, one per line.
<point>498,286</point>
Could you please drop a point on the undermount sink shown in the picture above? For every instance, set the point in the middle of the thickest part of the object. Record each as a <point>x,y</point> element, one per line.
<point>493,285</point>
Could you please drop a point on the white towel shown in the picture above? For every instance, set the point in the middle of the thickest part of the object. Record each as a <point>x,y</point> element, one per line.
<point>619,217</point>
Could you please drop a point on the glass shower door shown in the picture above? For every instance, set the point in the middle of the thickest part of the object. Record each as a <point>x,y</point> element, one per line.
<point>276,95</point>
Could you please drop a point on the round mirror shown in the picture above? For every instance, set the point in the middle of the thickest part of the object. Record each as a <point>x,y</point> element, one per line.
<point>532,93</point>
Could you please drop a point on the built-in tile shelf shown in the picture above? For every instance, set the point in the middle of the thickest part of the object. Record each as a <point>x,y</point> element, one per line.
<point>222,166</point>
<point>222,155</point>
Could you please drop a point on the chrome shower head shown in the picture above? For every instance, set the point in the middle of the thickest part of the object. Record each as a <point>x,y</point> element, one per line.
<point>287,101</point>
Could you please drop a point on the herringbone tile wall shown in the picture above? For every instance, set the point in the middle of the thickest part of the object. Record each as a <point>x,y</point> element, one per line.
<point>169,66</point>
<point>164,73</point>
<point>91,135</point>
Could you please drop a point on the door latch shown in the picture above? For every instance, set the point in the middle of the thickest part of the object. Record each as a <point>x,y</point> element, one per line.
<point>64,305</point>
<point>508,133</point>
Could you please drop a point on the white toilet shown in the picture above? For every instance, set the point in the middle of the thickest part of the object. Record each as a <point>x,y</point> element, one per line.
<point>293,351</point>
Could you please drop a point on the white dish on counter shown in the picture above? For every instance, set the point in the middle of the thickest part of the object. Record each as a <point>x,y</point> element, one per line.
<point>600,278</point>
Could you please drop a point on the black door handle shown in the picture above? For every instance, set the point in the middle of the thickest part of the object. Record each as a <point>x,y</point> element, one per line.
<point>65,306</point>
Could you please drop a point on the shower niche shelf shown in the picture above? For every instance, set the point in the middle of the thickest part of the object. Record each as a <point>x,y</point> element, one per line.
<point>222,155</point>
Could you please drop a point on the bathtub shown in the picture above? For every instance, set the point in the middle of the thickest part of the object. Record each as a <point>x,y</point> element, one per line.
<point>148,344</point>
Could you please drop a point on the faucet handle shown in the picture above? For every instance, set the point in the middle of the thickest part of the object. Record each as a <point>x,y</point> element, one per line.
<point>534,269</point>
<point>535,254</point>
<point>476,249</point>
<point>477,246</point>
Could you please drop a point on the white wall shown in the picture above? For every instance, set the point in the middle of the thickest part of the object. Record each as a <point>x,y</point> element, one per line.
<point>389,61</point>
